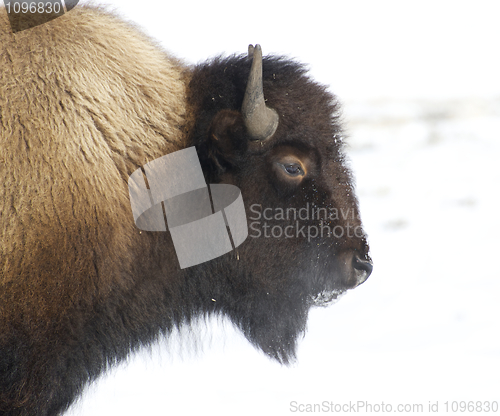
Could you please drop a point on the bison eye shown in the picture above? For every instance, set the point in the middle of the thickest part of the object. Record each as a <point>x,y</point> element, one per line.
<point>293,169</point>
<point>290,169</point>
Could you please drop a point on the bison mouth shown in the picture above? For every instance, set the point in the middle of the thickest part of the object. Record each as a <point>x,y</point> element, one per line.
<point>349,270</point>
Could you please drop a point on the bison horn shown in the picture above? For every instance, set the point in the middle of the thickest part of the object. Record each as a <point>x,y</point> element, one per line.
<point>260,120</point>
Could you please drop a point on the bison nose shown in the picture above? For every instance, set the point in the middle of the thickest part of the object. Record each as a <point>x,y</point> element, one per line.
<point>362,268</point>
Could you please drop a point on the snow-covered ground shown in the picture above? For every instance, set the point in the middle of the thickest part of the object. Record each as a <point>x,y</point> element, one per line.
<point>425,328</point>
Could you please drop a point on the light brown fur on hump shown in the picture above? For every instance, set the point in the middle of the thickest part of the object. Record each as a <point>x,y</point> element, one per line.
<point>85,99</point>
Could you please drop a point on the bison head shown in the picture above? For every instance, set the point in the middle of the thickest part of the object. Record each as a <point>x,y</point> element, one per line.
<point>265,127</point>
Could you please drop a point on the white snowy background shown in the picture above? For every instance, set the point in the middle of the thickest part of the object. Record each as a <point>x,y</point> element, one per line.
<point>421,93</point>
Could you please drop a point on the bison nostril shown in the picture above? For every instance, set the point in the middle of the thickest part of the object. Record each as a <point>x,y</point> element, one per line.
<point>363,268</point>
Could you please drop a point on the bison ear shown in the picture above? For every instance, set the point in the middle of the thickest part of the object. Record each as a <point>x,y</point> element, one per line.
<point>227,139</point>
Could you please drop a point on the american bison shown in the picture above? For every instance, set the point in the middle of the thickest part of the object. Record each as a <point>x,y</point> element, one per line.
<point>87,99</point>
